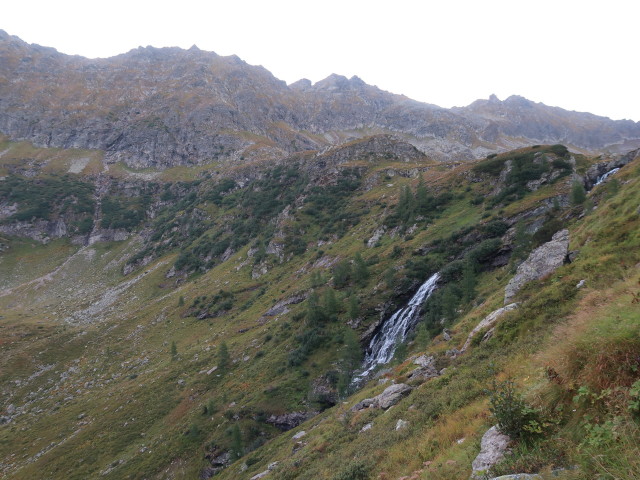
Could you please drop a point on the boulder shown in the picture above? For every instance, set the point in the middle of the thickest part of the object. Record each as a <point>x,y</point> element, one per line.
<point>366,403</point>
<point>388,398</point>
<point>488,322</point>
<point>493,447</point>
<point>391,395</point>
<point>542,261</point>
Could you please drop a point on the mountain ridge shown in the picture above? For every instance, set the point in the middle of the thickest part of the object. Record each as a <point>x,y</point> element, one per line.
<point>162,107</point>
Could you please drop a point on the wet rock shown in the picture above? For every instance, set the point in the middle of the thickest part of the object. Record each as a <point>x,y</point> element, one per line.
<point>596,171</point>
<point>542,261</point>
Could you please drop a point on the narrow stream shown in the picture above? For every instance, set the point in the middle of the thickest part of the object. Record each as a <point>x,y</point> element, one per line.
<point>395,328</point>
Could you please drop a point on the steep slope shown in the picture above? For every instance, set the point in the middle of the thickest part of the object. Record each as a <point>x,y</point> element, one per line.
<point>167,107</point>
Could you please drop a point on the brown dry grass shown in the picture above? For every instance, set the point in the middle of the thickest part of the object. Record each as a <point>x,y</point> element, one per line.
<point>584,351</point>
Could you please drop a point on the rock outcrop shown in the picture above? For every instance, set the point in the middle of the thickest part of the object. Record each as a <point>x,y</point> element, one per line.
<point>487,323</point>
<point>542,261</point>
<point>388,398</point>
<point>493,448</point>
<point>426,368</point>
<point>291,420</point>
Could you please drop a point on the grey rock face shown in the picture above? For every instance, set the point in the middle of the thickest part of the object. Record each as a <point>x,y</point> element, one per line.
<point>493,447</point>
<point>40,230</point>
<point>542,261</point>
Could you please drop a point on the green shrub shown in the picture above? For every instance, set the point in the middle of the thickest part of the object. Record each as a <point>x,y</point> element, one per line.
<point>515,418</point>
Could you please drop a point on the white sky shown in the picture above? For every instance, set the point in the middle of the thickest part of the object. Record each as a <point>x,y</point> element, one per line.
<point>579,55</point>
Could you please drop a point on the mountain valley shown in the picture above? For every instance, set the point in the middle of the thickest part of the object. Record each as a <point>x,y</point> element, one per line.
<point>196,260</point>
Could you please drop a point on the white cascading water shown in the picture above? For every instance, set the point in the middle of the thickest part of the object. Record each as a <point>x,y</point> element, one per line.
<point>394,330</point>
<point>602,178</point>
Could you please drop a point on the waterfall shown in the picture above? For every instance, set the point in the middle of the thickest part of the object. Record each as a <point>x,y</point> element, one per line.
<point>602,178</point>
<point>394,330</point>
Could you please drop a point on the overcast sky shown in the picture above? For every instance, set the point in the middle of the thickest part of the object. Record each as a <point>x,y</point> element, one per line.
<point>578,55</point>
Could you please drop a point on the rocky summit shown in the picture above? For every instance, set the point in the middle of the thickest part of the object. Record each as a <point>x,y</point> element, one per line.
<point>207,273</point>
<point>162,107</point>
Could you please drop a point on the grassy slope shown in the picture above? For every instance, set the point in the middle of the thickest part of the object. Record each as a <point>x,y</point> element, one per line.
<point>110,397</point>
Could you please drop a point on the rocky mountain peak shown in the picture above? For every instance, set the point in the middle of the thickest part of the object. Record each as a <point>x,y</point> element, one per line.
<point>169,106</point>
<point>302,84</point>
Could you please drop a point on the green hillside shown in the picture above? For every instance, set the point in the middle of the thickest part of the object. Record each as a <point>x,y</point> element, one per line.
<point>189,323</point>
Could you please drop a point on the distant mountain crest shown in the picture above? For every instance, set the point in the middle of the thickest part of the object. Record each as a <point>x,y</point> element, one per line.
<point>169,106</point>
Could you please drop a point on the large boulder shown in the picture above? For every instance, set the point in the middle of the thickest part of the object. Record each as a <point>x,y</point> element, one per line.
<point>493,447</point>
<point>388,398</point>
<point>542,261</point>
<point>392,395</point>
<point>488,322</point>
